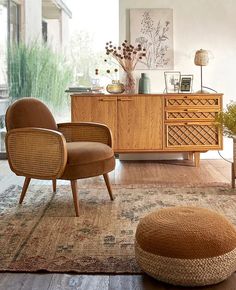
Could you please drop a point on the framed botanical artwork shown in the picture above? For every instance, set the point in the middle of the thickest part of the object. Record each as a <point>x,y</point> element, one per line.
<point>172,81</point>
<point>153,30</point>
<point>186,83</point>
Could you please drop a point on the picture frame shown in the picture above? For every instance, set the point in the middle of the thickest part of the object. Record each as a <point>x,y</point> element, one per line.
<point>153,29</point>
<point>172,81</point>
<point>186,83</point>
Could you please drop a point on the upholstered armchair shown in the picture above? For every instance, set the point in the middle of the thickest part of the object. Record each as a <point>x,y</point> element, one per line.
<point>39,148</point>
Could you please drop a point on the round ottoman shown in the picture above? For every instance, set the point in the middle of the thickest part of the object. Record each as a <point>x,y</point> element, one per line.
<point>186,246</point>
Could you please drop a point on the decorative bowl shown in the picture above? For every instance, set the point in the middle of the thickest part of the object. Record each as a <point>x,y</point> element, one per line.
<point>115,87</point>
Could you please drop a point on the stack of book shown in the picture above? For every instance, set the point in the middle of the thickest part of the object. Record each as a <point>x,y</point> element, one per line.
<point>85,90</point>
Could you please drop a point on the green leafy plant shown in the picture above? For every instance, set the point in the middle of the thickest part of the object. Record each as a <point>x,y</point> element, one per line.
<point>227,119</point>
<point>36,71</point>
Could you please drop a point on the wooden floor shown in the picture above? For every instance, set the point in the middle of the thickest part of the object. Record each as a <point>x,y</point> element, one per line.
<point>173,173</point>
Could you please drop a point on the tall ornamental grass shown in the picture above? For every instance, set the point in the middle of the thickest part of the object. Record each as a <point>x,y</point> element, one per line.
<point>36,71</point>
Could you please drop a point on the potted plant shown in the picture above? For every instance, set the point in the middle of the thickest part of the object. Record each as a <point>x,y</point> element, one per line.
<point>227,120</point>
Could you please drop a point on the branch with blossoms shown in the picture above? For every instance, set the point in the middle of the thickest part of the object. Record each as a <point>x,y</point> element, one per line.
<point>126,55</point>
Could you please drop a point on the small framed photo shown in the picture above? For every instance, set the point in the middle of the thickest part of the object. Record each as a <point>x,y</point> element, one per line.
<point>172,81</point>
<point>186,83</point>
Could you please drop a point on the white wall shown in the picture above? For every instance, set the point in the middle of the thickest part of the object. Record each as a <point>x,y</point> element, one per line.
<point>207,24</point>
<point>32,20</point>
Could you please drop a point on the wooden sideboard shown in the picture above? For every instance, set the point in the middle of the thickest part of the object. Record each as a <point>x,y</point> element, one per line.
<point>155,122</point>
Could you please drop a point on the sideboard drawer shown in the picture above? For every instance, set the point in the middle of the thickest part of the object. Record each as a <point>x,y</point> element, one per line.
<point>184,135</point>
<point>193,101</point>
<point>190,115</point>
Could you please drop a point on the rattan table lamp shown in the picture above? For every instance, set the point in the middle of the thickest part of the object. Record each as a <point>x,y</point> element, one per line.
<point>201,59</point>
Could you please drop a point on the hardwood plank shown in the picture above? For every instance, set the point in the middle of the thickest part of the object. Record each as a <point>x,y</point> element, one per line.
<point>137,282</point>
<point>144,282</point>
<point>172,172</point>
<point>81,282</point>
<point>218,175</point>
<point>21,281</point>
<point>223,167</point>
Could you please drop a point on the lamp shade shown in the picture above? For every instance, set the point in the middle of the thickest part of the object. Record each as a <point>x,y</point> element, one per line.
<point>201,57</point>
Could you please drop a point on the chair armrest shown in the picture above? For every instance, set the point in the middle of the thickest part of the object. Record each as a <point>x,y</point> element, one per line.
<point>86,131</point>
<point>36,153</point>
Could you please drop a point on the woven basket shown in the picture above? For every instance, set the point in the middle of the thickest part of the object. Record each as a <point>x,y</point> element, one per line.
<point>186,246</point>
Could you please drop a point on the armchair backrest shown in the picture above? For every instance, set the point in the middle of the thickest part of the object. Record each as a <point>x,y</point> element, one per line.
<point>29,112</point>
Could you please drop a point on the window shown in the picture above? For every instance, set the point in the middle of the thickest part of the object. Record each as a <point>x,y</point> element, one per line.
<point>14,22</point>
<point>9,31</point>
<point>3,45</point>
<point>93,24</point>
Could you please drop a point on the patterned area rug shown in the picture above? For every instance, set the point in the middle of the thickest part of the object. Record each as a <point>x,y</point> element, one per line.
<point>43,234</point>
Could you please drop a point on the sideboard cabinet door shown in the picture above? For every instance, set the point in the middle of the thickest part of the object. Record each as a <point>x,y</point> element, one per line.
<point>102,109</point>
<point>140,123</point>
<point>192,136</point>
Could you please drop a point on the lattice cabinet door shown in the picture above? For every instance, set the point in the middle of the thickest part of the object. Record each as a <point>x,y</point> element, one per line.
<point>193,136</point>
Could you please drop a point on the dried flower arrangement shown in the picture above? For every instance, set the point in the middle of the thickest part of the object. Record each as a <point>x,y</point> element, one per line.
<point>127,57</point>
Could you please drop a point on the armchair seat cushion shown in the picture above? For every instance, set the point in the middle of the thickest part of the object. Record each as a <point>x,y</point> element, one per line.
<point>88,159</point>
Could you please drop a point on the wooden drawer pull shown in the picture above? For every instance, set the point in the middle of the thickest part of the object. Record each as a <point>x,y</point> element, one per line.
<point>125,100</point>
<point>107,100</point>
<point>195,123</point>
<point>191,110</point>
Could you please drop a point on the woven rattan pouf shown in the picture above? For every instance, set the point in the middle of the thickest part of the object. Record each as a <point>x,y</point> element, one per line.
<point>186,246</point>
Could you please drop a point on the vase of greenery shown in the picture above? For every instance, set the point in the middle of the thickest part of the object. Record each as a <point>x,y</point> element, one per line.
<point>227,121</point>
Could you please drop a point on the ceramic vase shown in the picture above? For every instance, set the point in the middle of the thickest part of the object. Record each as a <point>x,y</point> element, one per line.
<point>144,84</point>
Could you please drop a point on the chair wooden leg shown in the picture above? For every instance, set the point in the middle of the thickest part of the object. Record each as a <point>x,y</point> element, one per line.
<point>54,185</point>
<point>24,189</point>
<point>75,196</point>
<point>106,178</point>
